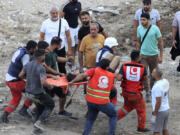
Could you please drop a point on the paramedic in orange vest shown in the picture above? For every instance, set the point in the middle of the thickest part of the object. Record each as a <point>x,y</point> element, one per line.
<point>132,76</point>
<point>100,85</point>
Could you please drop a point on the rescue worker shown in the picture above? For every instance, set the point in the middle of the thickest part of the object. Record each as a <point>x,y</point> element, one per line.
<point>100,85</point>
<point>107,52</point>
<point>132,76</point>
<point>20,58</point>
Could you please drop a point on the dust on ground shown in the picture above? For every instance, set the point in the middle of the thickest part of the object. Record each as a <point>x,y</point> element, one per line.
<point>20,20</point>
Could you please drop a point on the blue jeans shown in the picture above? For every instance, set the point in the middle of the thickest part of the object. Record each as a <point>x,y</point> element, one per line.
<point>93,110</point>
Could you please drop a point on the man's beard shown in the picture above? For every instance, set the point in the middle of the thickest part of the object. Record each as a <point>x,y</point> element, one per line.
<point>86,23</point>
<point>55,18</point>
<point>146,9</point>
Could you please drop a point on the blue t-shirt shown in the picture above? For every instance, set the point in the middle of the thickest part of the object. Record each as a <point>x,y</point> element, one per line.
<point>150,44</point>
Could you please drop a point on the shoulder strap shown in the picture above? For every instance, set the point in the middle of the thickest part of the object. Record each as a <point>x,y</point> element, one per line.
<point>59,32</point>
<point>145,34</point>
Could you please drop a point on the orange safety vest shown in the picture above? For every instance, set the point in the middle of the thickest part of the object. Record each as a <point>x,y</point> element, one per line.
<point>133,77</point>
<point>100,86</point>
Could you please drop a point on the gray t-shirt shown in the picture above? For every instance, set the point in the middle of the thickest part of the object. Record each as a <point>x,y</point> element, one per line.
<point>34,72</point>
<point>154,16</point>
<point>176,21</point>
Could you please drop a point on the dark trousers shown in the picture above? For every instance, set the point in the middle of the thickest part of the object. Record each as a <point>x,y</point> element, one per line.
<point>56,91</point>
<point>61,66</point>
<point>45,107</point>
<point>93,110</point>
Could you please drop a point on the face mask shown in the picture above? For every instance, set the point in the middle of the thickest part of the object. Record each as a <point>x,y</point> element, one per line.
<point>86,23</point>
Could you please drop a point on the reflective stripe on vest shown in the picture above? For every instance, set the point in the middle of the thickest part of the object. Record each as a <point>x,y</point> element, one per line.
<point>98,91</point>
<point>97,96</point>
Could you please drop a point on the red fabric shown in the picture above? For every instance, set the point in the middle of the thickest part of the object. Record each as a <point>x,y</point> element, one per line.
<point>129,85</point>
<point>16,91</point>
<point>95,82</point>
<point>90,72</point>
<point>140,107</point>
<point>28,103</point>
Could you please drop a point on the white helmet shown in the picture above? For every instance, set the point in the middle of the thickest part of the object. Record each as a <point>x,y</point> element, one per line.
<point>111,42</point>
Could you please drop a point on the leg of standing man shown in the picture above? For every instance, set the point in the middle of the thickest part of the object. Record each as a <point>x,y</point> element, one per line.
<point>61,66</point>
<point>144,61</point>
<point>74,38</point>
<point>141,112</point>
<point>44,109</point>
<point>92,115</point>
<point>110,110</point>
<point>153,63</point>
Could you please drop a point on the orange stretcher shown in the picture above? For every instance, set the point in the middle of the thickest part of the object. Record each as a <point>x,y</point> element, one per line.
<point>63,83</point>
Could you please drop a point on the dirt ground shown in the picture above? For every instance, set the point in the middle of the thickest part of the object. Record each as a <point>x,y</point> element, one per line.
<point>20,20</point>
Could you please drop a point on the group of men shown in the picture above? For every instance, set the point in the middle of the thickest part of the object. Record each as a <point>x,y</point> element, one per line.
<point>60,34</point>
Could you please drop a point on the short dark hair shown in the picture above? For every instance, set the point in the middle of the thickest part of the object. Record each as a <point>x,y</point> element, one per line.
<point>159,72</point>
<point>42,45</point>
<point>84,13</point>
<point>31,44</point>
<point>56,41</point>
<point>104,63</point>
<point>39,53</point>
<point>135,54</point>
<point>147,1</point>
<point>145,15</point>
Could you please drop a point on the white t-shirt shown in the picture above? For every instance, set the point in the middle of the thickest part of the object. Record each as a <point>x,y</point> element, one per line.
<point>51,29</point>
<point>154,16</point>
<point>103,56</point>
<point>176,21</point>
<point>25,59</point>
<point>161,89</point>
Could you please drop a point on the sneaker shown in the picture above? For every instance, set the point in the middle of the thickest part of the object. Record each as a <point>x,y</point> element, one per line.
<point>143,130</point>
<point>23,112</point>
<point>36,131</point>
<point>148,98</point>
<point>65,113</point>
<point>38,125</point>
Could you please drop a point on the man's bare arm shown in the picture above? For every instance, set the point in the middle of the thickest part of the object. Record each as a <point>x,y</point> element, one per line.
<point>161,47</point>
<point>68,36</point>
<point>22,75</point>
<point>159,25</point>
<point>79,77</point>
<point>174,32</point>
<point>42,35</point>
<point>104,34</point>
<point>158,105</point>
<point>119,77</point>
<point>81,60</point>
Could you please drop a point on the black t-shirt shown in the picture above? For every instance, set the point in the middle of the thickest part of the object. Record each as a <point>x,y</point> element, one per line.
<point>72,12</point>
<point>83,31</point>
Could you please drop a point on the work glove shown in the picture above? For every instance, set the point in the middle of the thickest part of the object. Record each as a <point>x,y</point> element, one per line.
<point>153,119</point>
